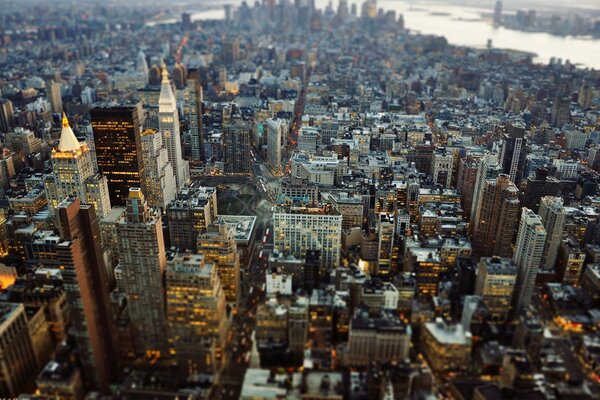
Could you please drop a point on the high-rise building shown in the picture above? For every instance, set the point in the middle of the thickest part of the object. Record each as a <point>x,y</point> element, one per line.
<point>54,96</point>
<point>236,146</point>
<point>193,104</point>
<point>218,245</point>
<point>231,50</point>
<point>488,168</point>
<point>498,13</point>
<point>142,261</point>
<point>495,283</point>
<point>514,152</point>
<point>142,65</point>
<point>190,214</point>
<point>7,117</point>
<point>160,183</point>
<point>298,229</point>
<point>276,132</point>
<point>87,287</point>
<point>497,218</point>
<point>71,165</point>
<point>168,123</point>
<point>539,186</point>
<point>17,358</point>
<point>96,193</point>
<point>195,311</point>
<point>386,231</point>
<point>118,143</point>
<point>442,166</point>
<point>528,257</point>
<point>561,111</point>
<point>570,262</point>
<point>553,217</point>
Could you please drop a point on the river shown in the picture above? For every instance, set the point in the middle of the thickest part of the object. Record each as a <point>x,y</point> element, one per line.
<point>464,26</point>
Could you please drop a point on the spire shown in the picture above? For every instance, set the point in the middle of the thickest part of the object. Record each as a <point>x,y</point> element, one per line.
<point>165,74</point>
<point>166,99</point>
<point>68,140</point>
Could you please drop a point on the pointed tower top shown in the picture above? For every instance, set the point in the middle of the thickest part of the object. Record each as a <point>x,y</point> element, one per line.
<point>68,140</point>
<point>165,74</point>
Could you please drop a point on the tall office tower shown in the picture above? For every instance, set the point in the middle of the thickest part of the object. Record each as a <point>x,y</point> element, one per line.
<point>276,132</point>
<point>231,50</point>
<point>498,13</point>
<point>54,96</point>
<point>539,186</point>
<point>87,287</point>
<point>96,193</point>
<point>488,168</point>
<point>7,117</point>
<point>17,357</point>
<point>142,65</point>
<point>553,215</point>
<point>196,312</point>
<point>498,216</point>
<point>236,146</point>
<point>442,166</point>
<point>495,283</point>
<point>168,124</point>
<point>386,231</point>
<point>528,257</point>
<point>190,214</point>
<point>514,151</point>
<point>193,99</point>
<point>179,76</point>
<point>142,262</point>
<point>71,165</point>
<point>160,184</point>
<point>298,229</point>
<point>561,111</point>
<point>219,245</point>
<point>118,143</point>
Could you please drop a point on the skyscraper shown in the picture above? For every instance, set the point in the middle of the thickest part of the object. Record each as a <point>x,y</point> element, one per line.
<point>87,287</point>
<point>117,138</point>
<point>195,311</point>
<point>71,165</point>
<point>7,117</point>
<point>168,123</point>
<point>487,168</point>
<point>190,214</point>
<point>276,131</point>
<point>497,218</point>
<point>498,13</point>
<point>193,97</point>
<point>236,146</point>
<point>553,217</point>
<point>160,183</point>
<point>219,245</point>
<point>54,96</point>
<point>539,186</point>
<point>142,263</point>
<point>528,257</point>
<point>514,151</point>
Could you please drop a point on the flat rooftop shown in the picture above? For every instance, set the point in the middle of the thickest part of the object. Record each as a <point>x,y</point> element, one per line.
<point>241,225</point>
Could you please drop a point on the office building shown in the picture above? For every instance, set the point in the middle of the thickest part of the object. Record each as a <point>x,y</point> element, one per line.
<point>386,232</point>
<point>498,215</point>
<point>538,186</point>
<point>7,117</point>
<point>96,193</point>
<point>54,96</point>
<point>276,135</point>
<point>18,365</point>
<point>298,229</point>
<point>196,312</point>
<point>193,96</point>
<point>570,262</point>
<point>190,214</point>
<point>488,168</point>
<point>553,217</point>
<point>529,249</point>
<point>446,347</point>
<point>118,143</point>
<point>442,167</point>
<point>514,152</point>
<point>218,245</point>
<point>236,146</point>
<point>142,261</point>
<point>380,337</point>
<point>87,289</point>
<point>168,124</point>
<point>495,284</point>
<point>61,379</point>
<point>159,178</point>
<point>71,165</point>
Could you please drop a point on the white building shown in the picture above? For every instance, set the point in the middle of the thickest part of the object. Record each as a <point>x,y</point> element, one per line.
<point>168,123</point>
<point>276,133</point>
<point>160,182</point>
